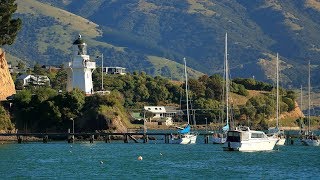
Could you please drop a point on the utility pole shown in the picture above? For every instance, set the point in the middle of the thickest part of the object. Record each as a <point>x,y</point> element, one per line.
<point>102,71</point>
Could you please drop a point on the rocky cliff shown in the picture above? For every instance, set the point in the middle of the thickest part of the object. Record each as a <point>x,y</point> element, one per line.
<point>7,87</point>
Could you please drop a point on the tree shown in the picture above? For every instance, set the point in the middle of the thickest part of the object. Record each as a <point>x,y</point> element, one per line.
<point>8,27</point>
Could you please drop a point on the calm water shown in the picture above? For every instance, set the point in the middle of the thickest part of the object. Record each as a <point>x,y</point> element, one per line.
<point>60,160</point>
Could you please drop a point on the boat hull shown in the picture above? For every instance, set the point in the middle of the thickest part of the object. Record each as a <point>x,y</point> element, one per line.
<point>188,139</point>
<point>219,140</point>
<point>311,142</point>
<point>185,139</point>
<point>281,142</point>
<point>251,146</point>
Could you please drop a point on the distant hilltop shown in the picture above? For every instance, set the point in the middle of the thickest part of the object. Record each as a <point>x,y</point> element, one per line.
<point>7,87</point>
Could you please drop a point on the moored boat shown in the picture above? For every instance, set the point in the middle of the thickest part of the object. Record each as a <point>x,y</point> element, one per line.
<point>244,139</point>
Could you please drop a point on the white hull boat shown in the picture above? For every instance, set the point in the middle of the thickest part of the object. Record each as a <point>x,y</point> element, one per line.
<point>281,141</point>
<point>219,138</point>
<point>186,136</point>
<point>311,140</point>
<point>189,139</point>
<point>277,133</point>
<point>246,140</point>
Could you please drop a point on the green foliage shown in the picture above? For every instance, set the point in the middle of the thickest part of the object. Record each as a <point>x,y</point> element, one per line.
<point>59,82</point>
<point>5,122</point>
<point>9,27</point>
<point>253,84</point>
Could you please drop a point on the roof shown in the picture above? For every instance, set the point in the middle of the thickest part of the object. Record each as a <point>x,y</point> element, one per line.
<point>155,109</point>
<point>23,76</point>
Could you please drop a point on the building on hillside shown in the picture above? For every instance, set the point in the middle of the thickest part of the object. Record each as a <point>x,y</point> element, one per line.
<point>32,80</point>
<point>80,68</point>
<point>161,115</point>
<point>114,70</point>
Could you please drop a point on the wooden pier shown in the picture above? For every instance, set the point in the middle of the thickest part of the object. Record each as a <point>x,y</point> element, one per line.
<point>107,137</point>
<point>136,137</point>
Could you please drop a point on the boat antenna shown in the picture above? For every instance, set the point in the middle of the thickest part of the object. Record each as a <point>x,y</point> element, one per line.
<point>277,78</point>
<point>309,84</point>
<point>186,78</point>
<point>227,77</point>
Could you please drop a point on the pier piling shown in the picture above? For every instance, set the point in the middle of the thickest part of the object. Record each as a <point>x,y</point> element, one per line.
<point>206,139</point>
<point>125,138</point>
<point>19,139</point>
<point>108,139</point>
<point>45,139</point>
<point>91,139</point>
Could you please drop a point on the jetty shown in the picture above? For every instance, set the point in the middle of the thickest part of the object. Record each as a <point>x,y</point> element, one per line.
<point>136,137</point>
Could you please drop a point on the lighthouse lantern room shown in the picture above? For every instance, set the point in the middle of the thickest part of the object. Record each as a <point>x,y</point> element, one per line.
<point>80,68</point>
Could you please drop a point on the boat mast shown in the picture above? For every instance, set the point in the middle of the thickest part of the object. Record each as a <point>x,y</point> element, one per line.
<point>227,76</point>
<point>187,98</point>
<point>277,74</point>
<point>309,84</point>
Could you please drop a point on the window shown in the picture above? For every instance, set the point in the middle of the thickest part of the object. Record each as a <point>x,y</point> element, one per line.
<point>256,135</point>
<point>156,108</point>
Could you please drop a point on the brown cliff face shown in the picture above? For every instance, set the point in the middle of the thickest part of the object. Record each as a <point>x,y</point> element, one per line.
<point>7,87</point>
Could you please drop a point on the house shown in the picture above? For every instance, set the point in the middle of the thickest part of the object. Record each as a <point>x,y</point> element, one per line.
<point>114,70</point>
<point>162,114</point>
<point>33,80</point>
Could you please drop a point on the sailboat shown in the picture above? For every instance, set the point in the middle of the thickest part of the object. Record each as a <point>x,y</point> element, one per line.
<point>220,138</point>
<point>277,133</point>
<point>245,139</point>
<point>310,139</point>
<point>186,135</point>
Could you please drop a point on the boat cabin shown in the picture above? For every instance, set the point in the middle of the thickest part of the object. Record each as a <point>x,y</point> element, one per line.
<point>244,134</point>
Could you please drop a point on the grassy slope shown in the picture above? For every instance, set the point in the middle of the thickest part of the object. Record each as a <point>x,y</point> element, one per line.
<point>176,68</point>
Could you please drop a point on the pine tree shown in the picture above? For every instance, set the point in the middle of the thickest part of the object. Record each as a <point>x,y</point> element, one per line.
<point>9,27</point>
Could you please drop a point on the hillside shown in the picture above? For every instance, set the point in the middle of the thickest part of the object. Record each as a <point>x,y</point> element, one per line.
<point>7,87</point>
<point>128,32</point>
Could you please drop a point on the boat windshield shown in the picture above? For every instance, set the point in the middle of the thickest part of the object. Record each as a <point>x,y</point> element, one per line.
<point>257,135</point>
<point>233,136</point>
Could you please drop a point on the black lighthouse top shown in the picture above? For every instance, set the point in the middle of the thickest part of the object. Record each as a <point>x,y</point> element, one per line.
<point>79,41</point>
<point>80,46</point>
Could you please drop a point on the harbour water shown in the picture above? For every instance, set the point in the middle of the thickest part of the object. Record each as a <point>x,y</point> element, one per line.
<point>116,160</point>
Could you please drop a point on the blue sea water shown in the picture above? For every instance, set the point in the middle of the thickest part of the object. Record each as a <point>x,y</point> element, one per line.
<point>117,160</point>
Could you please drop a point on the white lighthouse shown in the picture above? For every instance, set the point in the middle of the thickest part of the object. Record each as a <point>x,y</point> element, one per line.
<point>81,68</point>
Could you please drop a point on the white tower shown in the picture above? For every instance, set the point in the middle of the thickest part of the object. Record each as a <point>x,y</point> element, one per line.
<point>81,68</point>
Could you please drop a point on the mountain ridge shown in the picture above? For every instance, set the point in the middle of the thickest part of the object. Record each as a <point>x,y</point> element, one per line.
<point>195,30</point>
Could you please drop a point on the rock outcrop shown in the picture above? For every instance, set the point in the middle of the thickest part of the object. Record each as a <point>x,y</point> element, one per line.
<point>7,87</point>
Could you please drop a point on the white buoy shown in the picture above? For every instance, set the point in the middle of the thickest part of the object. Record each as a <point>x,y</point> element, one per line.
<point>140,158</point>
<point>160,154</point>
<point>101,162</point>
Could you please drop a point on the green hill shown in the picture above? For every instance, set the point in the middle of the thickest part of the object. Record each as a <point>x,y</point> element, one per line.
<point>128,32</point>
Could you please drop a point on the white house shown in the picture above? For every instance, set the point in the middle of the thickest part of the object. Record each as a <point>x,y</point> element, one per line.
<point>35,80</point>
<point>162,114</point>
<point>114,70</point>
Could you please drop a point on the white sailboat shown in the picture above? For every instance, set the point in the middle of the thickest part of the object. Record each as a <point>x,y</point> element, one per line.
<point>220,138</point>
<point>186,135</point>
<point>310,139</point>
<point>277,133</point>
<point>245,139</point>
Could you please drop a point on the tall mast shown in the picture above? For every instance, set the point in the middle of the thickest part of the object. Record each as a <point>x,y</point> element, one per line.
<point>227,76</point>
<point>309,87</point>
<point>301,97</point>
<point>187,98</point>
<point>277,74</point>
